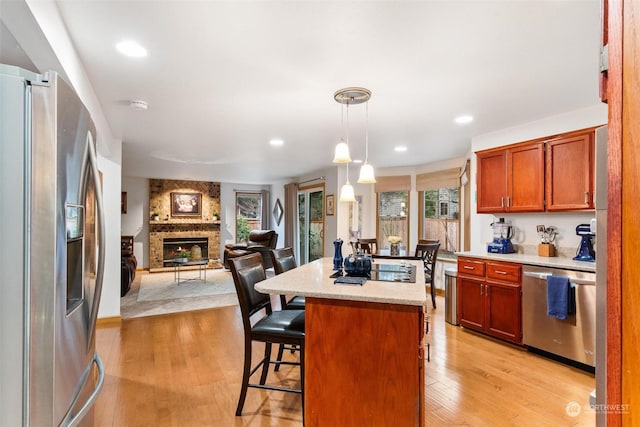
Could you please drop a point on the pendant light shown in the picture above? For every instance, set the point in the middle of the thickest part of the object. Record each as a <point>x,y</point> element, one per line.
<point>342,148</point>
<point>366,171</point>
<point>346,192</point>
<point>350,95</point>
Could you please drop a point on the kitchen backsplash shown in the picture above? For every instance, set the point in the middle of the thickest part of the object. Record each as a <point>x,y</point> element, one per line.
<point>525,238</point>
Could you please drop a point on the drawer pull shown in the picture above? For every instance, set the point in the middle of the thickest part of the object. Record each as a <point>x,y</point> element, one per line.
<point>467,267</point>
<point>500,272</point>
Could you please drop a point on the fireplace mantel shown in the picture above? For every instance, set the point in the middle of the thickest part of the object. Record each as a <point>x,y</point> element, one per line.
<point>165,227</point>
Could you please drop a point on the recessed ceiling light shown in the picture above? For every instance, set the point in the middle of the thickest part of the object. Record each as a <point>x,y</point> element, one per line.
<point>463,120</point>
<point>276,142</point>
<point>131,48</point>
<point>138,104</point>
<point>401,148</point>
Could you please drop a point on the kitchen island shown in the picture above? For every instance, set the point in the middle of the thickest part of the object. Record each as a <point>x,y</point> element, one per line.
<point>364,346</point>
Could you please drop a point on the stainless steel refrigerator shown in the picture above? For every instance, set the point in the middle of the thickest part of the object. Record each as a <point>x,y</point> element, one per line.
<point>51,252</point>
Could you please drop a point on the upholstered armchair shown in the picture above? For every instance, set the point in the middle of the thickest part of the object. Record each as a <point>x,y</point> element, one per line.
<point>260,241</point>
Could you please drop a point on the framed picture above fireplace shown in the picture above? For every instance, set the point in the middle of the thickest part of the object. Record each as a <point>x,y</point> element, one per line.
<point>186,204</point>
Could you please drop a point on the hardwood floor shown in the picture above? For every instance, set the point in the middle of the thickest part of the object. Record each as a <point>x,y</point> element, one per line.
<point>184,369</point>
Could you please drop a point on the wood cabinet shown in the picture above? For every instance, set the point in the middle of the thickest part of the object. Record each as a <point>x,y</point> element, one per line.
<point>364,364</point>
<point>511,179</point>
<point>548,174</point>
<point>570,171</point>
<point>489,297</point>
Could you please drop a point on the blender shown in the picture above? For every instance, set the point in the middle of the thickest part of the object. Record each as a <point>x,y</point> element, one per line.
<point>502,233</point>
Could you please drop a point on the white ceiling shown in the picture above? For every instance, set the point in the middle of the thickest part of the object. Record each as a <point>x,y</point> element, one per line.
<point>222,78</point>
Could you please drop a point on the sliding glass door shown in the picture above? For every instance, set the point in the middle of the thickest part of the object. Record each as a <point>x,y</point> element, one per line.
<point>310,224</point>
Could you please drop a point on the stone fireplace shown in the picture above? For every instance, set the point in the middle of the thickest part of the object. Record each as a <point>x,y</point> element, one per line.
<point>170,232</point>
<point>163,237</point>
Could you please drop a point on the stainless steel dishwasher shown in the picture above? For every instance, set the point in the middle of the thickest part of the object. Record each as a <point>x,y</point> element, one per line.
<point>573,338</point>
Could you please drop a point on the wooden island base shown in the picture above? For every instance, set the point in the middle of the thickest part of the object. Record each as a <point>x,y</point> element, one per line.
<point>364,364</point>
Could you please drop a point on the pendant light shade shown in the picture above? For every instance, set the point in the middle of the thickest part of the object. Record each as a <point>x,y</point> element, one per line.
<point>346,193</point>
<point>366,171</point>
<point>366,175</point>
<point>342,153</point>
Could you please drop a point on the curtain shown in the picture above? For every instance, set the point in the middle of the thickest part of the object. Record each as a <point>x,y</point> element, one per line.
<point>393,183</point>
<point>266,210</point>
<point>290,210</point>
<point>448,178</point>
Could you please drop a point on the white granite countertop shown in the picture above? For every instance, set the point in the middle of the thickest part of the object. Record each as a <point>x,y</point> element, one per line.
<point>312,280</point>
<point>555,262</point>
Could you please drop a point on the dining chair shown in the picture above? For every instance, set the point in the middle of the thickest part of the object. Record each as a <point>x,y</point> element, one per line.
<point>428,252</point>
<point>427,241</point>
<point>279,327</point>
<point>284,260</point>
<point>368,246</point>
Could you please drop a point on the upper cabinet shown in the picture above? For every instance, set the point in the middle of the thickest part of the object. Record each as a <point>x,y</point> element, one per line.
<point>570,172</point>
<point>511,179</point>
<point>516,178</point>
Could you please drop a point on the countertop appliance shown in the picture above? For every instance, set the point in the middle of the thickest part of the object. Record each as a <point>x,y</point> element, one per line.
<point>502,234</point>
<point>52,252</point>
<point>585,250</point>
<point>573,338</point>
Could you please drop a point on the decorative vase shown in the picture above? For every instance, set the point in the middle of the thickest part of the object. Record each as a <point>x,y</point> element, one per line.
<point>395,249</point>
<point>337,255</point>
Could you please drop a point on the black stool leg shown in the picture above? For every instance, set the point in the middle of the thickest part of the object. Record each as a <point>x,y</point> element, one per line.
<point>279,358</point>
<point>433,295</point>
<point>302,377</point>
<point>245,375</point>
<point>265,363</point>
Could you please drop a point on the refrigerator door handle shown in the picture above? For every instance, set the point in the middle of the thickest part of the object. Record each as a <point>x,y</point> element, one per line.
<point>69,421</point>
<point>91,161</point>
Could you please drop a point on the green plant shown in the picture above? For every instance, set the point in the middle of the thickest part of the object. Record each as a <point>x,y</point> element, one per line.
<point>242,229</point>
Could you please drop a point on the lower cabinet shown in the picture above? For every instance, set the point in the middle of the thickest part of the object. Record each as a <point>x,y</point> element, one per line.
<point>364,364</point>
<point>489,298</point>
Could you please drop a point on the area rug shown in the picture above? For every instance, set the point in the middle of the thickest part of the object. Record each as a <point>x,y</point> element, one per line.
<point>162,286</point>
<point>153,294</point>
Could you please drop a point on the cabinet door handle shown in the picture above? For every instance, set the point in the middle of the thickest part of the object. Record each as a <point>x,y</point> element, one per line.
<point>508,201</point>
<point>502,202</point>
<point>500,272</point>
<point>586,197</point>
<point>481,286</point>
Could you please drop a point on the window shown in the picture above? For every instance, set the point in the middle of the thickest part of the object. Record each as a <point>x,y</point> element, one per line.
<point>392,217</point>
<point>248,214</point>
<point>440,219</point>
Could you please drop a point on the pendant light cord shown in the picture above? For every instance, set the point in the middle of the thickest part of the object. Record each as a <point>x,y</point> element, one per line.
<point>366,136</point>
<point>347,139</point>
